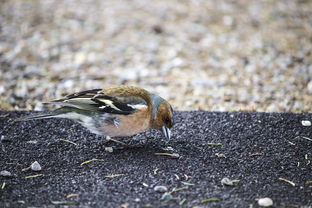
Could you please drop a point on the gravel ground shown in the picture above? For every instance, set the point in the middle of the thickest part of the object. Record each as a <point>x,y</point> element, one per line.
<point>214,55</point>
<point>268,154</point>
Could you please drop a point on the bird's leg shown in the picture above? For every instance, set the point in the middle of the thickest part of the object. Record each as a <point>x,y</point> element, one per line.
<point>108,139</point>
<point>114,147</point>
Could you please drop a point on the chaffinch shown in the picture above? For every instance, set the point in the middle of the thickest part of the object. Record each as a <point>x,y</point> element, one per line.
<point>115,112</point>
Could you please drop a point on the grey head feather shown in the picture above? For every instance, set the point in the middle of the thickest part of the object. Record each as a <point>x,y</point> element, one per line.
<point>156,100</point>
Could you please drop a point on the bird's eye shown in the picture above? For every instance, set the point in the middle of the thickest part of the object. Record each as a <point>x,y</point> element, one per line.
<point>167,120</point>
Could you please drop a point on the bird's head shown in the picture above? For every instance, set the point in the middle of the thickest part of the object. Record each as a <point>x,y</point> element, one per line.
<point>162,116</point>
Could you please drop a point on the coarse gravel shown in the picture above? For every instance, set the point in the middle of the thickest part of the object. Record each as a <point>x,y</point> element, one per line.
<point>198,54</point>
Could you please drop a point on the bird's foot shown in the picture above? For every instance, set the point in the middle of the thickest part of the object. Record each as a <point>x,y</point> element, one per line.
<point>114,147</point>
<point>108,139</point>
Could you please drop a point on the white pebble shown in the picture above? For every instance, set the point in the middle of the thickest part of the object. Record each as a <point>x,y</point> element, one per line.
<point>5,173</point>
<point>109,149</point>
<point>35,166</point>
<point>4,138</point>
<point>228,20</point>
<point>39,107</point>
<point>306,123</point>
<point>166,196</point>
<point>137,199</point>
<point>160,189</point>
<point>265,202</point>
<point>310,87</point>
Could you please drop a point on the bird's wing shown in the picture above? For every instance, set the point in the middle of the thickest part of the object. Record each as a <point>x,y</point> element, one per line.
<point>97,101</point>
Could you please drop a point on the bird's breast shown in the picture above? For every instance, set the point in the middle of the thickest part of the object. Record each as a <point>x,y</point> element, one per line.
<point>127,125</point>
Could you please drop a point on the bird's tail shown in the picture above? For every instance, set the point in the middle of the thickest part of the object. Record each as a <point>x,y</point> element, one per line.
<point>40,116</point>
<point>63,112</point>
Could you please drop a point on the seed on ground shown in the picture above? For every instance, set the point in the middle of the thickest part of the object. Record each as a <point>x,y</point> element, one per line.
<point>227,181</point>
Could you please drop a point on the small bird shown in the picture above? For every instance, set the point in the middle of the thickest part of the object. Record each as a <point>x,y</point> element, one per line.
<point>114,112</point>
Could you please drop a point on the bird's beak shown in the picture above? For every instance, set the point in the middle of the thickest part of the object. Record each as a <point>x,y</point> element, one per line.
<point>166,132</point>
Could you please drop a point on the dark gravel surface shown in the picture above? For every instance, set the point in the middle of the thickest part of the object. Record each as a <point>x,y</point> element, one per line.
<point>257,149</point>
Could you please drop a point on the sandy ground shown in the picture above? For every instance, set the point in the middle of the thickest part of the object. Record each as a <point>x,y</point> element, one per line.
<point>199,54</point>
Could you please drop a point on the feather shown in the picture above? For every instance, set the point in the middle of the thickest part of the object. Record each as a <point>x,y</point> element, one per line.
<point>97,101</point>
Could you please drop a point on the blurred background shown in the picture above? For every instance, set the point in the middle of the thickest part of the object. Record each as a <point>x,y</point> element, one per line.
<point>225,55</point>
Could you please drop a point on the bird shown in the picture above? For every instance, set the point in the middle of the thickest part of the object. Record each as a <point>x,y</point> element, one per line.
<point>119,111</point>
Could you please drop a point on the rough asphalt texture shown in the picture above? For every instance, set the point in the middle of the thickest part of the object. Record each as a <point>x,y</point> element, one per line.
<point>257,149</point>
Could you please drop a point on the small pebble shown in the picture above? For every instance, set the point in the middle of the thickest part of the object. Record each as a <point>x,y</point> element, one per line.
<point>220,155</point>
<point>166,196</point>
<point>227,181</point>
<point>109,149</point>
<point>5,173</point>
<point>265,202</point>
<point>35,166</point>
<point>160,189</point>
<point>168,148</point>
<point>306,123</point>
<point>4,138</point>
<point>137,199</point>
<point>310,87</point>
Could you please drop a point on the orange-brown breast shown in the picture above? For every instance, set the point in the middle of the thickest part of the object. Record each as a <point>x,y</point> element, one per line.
<point>129,124</point>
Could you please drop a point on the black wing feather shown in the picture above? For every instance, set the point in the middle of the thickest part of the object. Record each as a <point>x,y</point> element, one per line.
<point>116,106</point>
<point>96,100</point>
<point>84,94</point>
